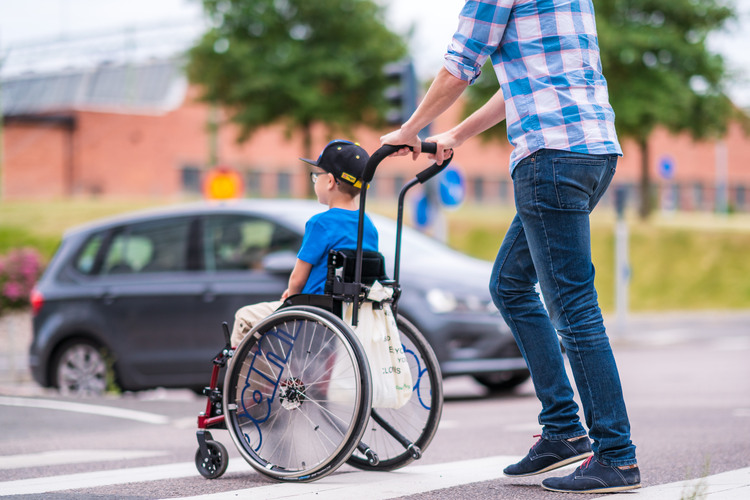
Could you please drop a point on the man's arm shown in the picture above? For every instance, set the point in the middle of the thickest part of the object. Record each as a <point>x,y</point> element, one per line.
<point>443,92</point>
<point>298,278</point>
<point>490,114</point>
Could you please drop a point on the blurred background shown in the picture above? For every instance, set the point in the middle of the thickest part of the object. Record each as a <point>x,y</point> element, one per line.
<point>112,106</point>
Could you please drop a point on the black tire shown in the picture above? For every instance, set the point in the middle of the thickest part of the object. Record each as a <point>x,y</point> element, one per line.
<point>417,420</point>
<point>298,394</point>
<point>502,381</point>
<point>215,463</point>
<point>80,369</point>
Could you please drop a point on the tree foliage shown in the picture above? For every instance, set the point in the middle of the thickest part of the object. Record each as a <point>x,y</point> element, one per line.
<point>659,70</point>
<point>295,62</point>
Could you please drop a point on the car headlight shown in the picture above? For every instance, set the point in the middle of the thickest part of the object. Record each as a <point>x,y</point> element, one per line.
<point>442,301</point>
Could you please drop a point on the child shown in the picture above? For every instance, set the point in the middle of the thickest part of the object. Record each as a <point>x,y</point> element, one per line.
<point>337,177</point>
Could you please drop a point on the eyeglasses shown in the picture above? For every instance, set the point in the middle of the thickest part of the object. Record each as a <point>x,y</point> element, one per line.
<point>314,176</point>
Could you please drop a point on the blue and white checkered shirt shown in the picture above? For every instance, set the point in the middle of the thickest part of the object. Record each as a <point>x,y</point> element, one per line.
<point>546,56</point>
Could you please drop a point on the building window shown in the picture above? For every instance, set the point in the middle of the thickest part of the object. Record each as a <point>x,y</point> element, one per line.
<point>739,199</point>
<point>504,191</point>
<point>398,183</point>
<point>252,183</point>
<point>478,189</point>
<point>284,186</point>
<point>698,198</point>
<point>191,179</point>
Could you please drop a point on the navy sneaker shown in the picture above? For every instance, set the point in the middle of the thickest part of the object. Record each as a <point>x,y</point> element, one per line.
<point>550,454</point>
<point>595,477</point>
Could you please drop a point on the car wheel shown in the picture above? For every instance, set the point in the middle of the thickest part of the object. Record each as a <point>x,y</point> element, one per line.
<point>502,381</point>
<point>80,369</point>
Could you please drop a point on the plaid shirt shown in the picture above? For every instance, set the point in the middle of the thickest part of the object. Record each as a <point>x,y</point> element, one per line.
<point>546,56</point>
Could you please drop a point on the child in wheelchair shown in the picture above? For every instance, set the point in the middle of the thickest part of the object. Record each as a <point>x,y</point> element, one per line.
<point>337,177</point>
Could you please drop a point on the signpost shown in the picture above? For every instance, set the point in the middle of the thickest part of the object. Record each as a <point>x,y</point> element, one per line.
<point>222,183</point>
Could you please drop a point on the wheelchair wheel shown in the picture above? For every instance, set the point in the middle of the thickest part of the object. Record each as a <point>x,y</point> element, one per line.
<point>399,436</point>
<point>215,463</point>
<point>297,395</point>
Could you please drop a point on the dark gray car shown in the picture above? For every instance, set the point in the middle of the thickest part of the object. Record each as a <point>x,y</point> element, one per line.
<point>138,300</point>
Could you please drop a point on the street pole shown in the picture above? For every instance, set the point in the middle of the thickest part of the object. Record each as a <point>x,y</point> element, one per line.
<point>622,264</point>
<point>722,178</point>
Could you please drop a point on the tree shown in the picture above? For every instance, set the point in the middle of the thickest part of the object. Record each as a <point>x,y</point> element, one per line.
<point>658,69</point>
<point>296,62</point>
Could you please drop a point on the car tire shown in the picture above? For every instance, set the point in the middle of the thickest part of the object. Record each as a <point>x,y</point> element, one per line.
<point>80,368</point>
<point>502,381</point>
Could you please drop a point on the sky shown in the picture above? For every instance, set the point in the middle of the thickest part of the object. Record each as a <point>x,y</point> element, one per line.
<point>28,22</point>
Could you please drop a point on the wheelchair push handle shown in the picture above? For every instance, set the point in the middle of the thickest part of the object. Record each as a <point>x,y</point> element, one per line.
<point>378,156</point>
<point>388,149</point>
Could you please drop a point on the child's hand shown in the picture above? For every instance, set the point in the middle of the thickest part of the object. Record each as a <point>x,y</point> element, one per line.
<point>285,294</point>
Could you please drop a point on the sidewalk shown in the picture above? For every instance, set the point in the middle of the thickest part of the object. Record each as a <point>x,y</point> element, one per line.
<point>15,338</point>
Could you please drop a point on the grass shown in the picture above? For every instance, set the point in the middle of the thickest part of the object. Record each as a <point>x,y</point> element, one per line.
<point>678,262</point>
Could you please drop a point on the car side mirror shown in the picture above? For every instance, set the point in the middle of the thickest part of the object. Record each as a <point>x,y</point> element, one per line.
<point>281,262</point>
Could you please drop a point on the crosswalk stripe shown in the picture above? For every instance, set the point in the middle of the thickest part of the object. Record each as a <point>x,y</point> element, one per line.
<point>107,411</point>
<point>343,485</point>
<point>732,485</point>
<point>47,458</point>
<point>379,485</point>
<point>106,478</point>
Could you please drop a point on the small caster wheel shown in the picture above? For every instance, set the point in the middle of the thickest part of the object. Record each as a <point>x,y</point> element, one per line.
<point>215,463</point>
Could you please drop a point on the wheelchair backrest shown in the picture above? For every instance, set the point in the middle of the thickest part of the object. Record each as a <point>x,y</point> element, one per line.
<point>341,268</point>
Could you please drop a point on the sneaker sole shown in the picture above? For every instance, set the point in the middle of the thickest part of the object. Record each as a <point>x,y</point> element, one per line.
<point>612,489</point>
<point>554,466</point>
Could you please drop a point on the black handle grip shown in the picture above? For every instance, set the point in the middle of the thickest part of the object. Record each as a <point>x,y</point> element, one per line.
<point>433,170</point>
<point>388,149</point>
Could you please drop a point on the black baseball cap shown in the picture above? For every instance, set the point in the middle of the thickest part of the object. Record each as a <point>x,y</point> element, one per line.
<point>344,159</point>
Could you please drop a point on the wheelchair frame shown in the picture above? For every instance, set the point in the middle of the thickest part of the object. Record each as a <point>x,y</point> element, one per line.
<point>314,404</point>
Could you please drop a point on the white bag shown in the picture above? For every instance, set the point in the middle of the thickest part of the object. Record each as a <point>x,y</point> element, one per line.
<point>378,334</point>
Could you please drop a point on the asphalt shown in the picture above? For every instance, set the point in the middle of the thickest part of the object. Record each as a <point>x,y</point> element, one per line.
<point>632,330</point>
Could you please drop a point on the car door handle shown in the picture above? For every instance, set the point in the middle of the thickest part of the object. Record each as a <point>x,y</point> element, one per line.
<point>108,298</point>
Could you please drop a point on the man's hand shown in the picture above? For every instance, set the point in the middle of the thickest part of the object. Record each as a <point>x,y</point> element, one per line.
<point>399,137</point>
<point>446,142</point>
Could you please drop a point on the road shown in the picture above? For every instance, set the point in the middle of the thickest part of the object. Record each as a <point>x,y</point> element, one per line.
<point>686,379</point>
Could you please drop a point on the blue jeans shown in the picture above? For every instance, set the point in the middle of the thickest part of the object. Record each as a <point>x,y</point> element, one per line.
<point>549,241</point>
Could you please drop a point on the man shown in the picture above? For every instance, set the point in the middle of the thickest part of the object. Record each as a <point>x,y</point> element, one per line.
<point>546,57</point>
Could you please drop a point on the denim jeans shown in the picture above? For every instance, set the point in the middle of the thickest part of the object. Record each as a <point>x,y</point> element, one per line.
<point>549,242</point>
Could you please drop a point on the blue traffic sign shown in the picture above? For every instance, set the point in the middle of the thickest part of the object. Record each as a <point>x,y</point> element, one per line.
<point>666,167</point>
<point>422,212</point>
<point>452,187</point>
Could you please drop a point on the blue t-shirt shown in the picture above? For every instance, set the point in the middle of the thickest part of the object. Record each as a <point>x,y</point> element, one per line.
<point>334,229</point>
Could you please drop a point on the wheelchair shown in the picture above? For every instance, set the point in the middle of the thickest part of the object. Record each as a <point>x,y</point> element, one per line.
<point>297,392</point>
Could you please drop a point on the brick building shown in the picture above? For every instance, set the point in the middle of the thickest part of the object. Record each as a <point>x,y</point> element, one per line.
<point>138,131</point>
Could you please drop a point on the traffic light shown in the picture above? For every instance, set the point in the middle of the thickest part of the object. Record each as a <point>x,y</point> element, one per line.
<point>401,93</point>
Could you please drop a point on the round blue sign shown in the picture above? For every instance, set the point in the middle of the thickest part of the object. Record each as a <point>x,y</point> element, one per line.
<point>452,187</point>
<point>422,212</point>
<point>666,167</point>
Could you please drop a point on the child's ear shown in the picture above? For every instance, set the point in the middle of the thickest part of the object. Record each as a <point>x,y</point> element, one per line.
<point>331,182</point>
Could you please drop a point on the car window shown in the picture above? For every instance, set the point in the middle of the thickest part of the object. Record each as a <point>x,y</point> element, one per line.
<point>160,246</point>
<point>241,242</point>
<point>86,259</point>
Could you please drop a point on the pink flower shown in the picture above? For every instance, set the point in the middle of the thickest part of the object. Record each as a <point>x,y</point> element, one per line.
<point>13,291</point>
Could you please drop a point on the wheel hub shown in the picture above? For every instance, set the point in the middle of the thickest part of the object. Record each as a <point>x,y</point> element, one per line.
<point>292,393</point>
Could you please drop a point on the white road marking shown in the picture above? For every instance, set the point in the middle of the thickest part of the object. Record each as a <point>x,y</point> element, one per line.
<point>732,485</point>
<point>107,411</point>
<point>379,485</point>
<point>107,478</point>
<point>48,458</point>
